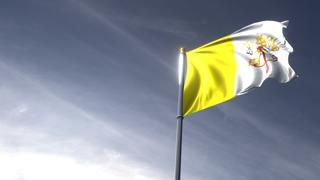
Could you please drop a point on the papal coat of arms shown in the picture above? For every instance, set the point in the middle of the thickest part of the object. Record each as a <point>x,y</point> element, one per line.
<point>262,51</point>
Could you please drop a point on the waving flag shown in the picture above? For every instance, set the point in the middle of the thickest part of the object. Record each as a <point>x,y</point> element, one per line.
<point>236,64</point>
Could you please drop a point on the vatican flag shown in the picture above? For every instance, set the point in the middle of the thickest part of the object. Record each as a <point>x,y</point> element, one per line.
<point>236,64</point>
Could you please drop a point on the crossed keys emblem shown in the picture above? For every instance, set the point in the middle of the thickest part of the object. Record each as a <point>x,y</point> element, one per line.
<point>264,48</point>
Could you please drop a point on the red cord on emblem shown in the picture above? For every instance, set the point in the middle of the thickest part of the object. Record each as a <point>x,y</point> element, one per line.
<point>264,58</point>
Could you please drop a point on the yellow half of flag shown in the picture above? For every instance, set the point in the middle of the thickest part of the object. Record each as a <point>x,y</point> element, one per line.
<point>210,75</point>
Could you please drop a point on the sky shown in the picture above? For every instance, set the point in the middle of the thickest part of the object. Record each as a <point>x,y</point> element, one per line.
<point>88,90</point>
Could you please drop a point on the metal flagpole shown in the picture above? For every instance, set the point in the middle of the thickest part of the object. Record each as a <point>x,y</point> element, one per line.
<point>180,117</point>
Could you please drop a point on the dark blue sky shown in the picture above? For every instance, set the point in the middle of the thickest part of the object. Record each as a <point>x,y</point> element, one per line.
<point>88,90</point>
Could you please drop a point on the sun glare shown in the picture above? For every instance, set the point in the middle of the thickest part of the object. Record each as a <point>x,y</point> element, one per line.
<point>180,68</point>
<point>34,166</point>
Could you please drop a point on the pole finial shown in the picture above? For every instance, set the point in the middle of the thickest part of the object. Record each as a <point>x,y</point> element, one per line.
<point>182,50</point>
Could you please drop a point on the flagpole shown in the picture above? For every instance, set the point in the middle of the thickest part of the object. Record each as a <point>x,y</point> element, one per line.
<point>180,117</point>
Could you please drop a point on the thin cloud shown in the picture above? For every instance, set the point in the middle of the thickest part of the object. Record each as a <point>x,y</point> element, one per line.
<point>130,38</point>
<point>64,132</point>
